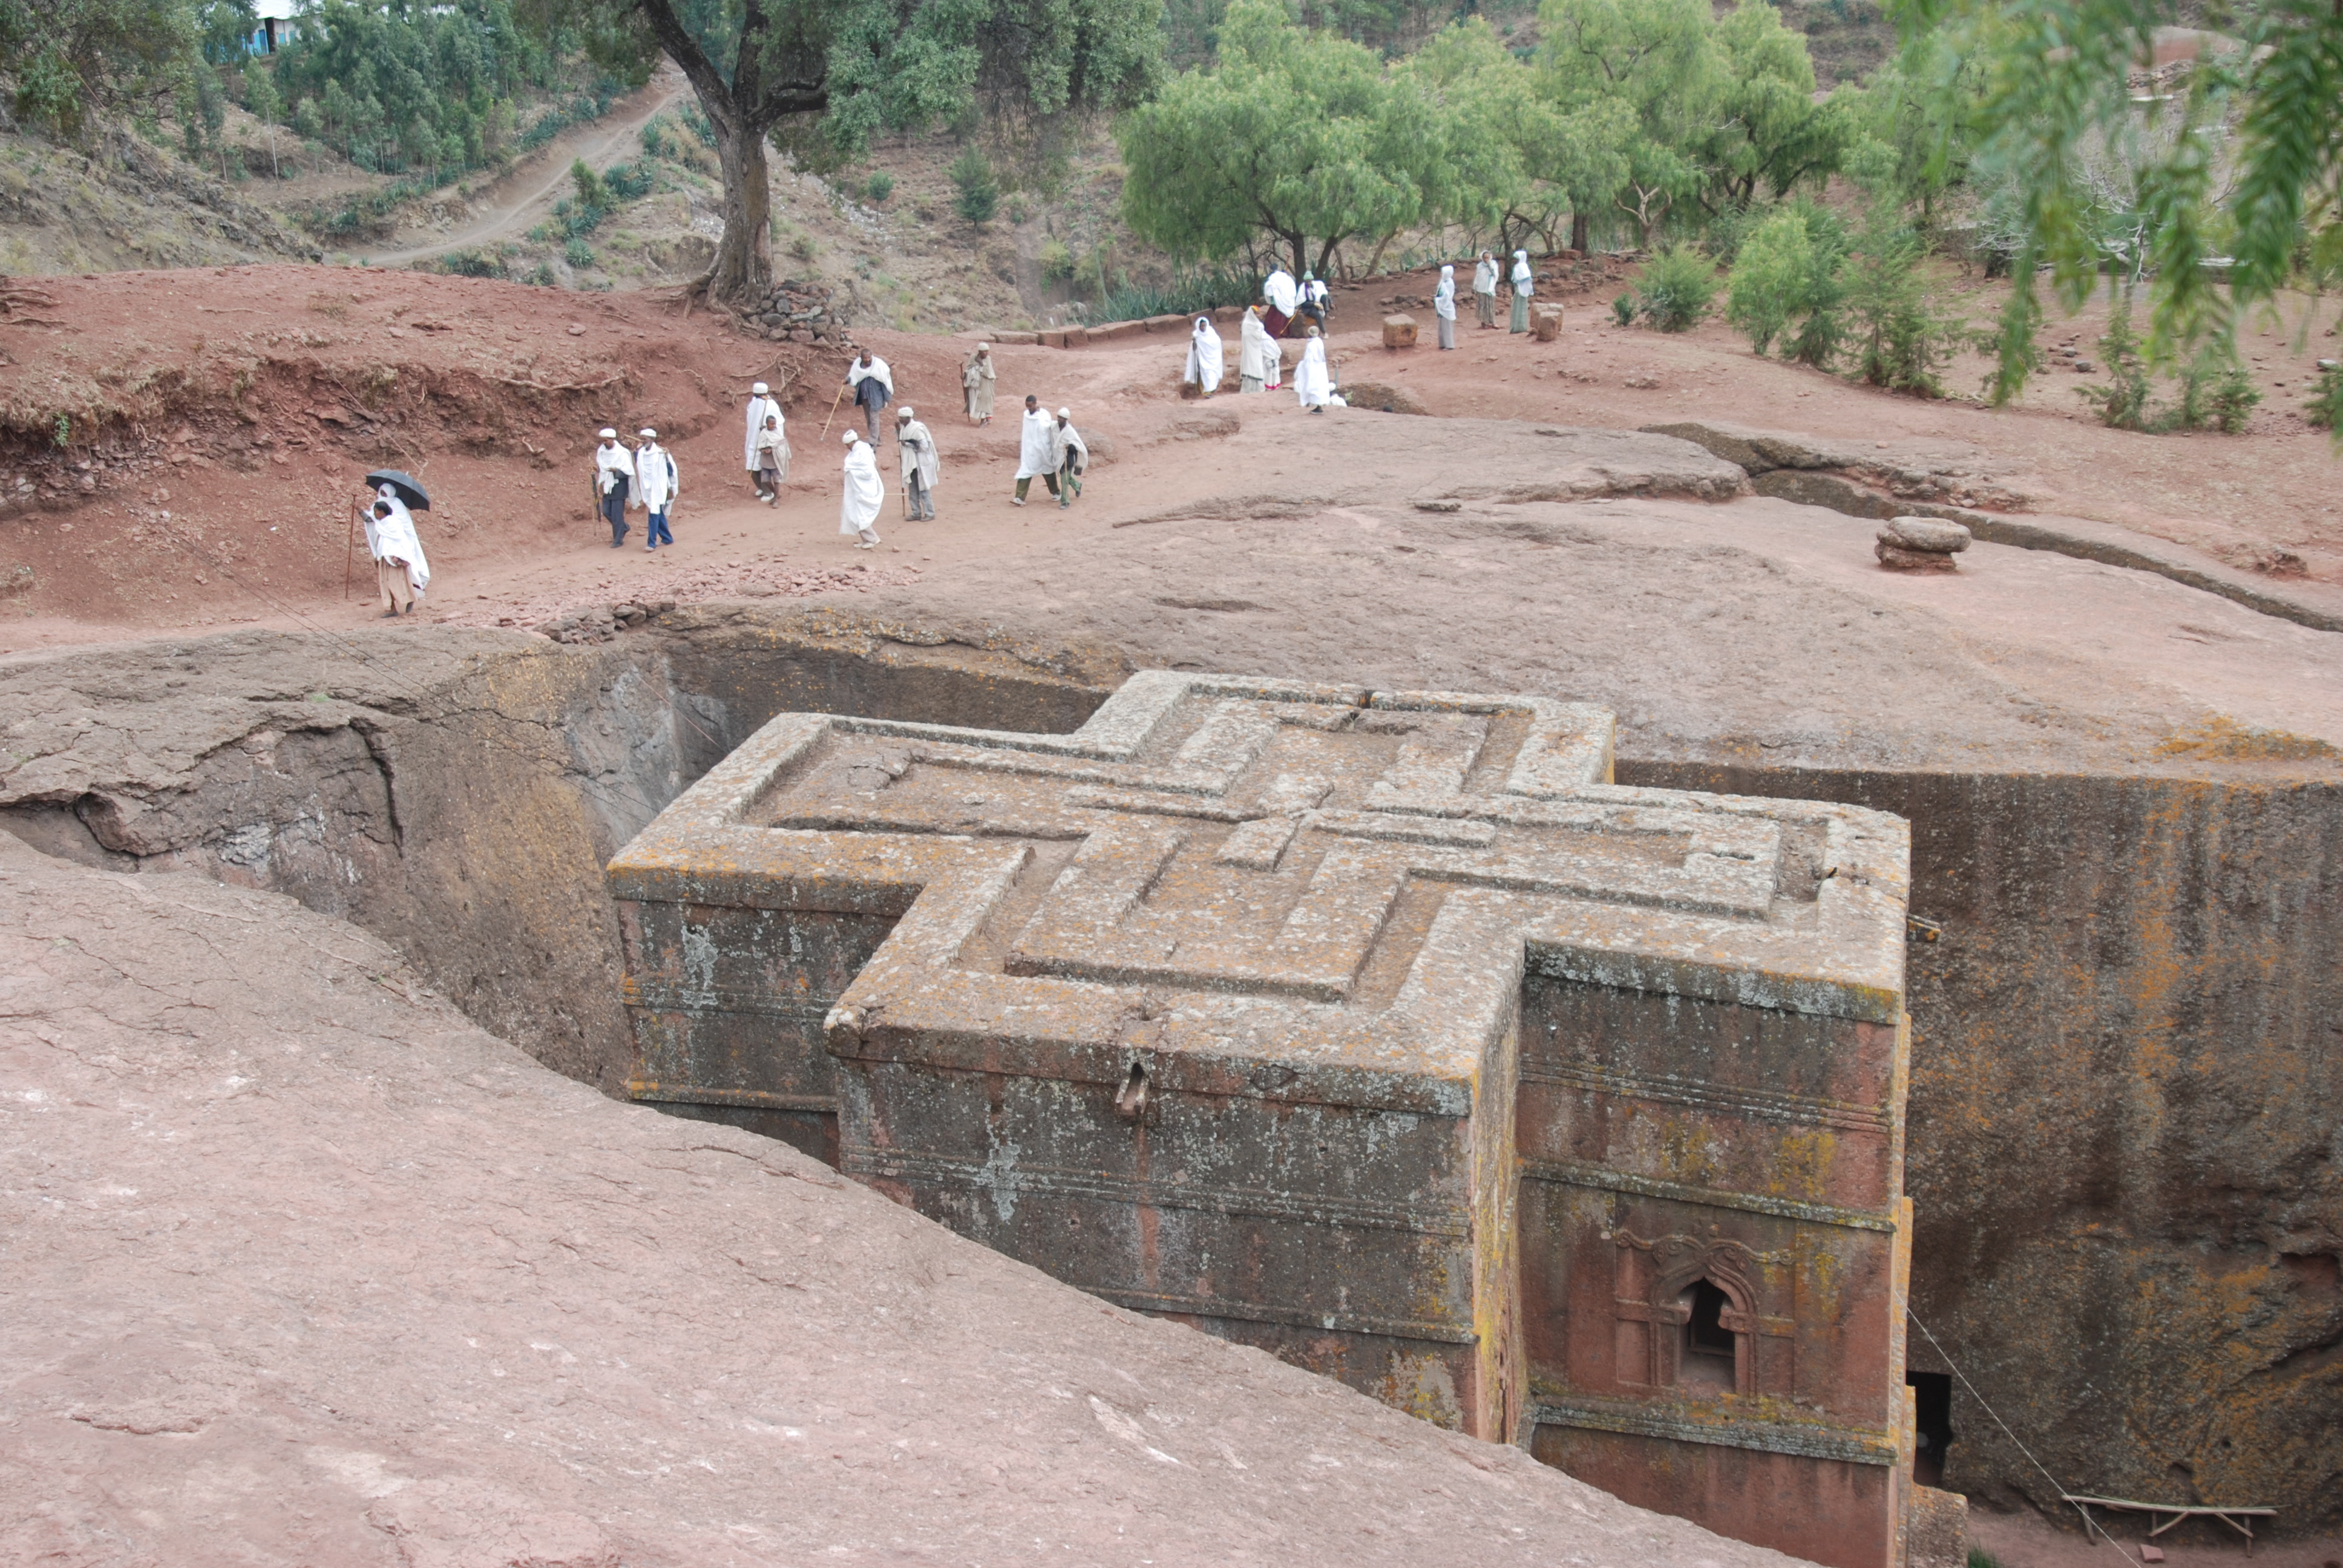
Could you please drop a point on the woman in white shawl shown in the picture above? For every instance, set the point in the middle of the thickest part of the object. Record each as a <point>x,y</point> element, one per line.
<point>1256,353</point>
<point>1311,383</point>
<point>1443,306</point>
<point>1523,280</point>
<point>1205,351</point>
<point>399,570</point>
<point>866,492</point>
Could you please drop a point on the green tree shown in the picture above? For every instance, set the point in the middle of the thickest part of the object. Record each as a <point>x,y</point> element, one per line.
<point>2057,107</point>
<point>1654,60</point>
<point>847,69</point>
<point>63,61</point>
<point>1295,139</point>
<point>1518,162</point>
<point>1766,128</point>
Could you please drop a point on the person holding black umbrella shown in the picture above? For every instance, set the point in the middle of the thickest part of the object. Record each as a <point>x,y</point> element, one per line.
<point>400,572</point>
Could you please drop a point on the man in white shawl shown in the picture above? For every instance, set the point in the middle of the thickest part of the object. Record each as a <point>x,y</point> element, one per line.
<point>614,483</point>
<point>1284,298</point>
<point>976,378</point>
<point>873,386</point>
<point>1484,289</point>
<point>1072,454</point>
<point>1524,280</point>
<point>866,492</point>
<point>1204,352</point>
<point>400,572</point>
<point>1037,453</point>
<point>918,450</point>
<point>656,480</point>
<point>1443,306</point>
<point>1256,355</point>
<point>1312,381</point>
<point>759,405</point>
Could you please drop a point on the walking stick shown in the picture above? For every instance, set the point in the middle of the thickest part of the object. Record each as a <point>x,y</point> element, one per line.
<point>349,543</point>
<point>833,413</point>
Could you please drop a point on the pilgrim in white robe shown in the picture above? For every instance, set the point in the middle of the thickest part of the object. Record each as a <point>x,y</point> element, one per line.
<point>1256,355</point>
<point>865,492</point>
<point>1284,296</point>
<point>759,406</point>
<point>873,387</point>
<point>400,571</point>
<point>917,448</point>
<point>1443,306</point>
<point>1204,354</point>
<point>1311,382</point>
<point>1524,280</point>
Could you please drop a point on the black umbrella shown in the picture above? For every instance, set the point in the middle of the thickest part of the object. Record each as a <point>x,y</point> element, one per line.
<point>413,494</point>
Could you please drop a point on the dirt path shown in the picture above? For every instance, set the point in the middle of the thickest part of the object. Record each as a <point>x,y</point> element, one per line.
<point>545,173</point>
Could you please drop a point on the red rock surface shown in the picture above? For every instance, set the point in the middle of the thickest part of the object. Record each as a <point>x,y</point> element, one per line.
<point>300,1268</point>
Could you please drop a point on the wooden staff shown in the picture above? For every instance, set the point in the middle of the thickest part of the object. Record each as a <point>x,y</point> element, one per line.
<point>349,544</point>
<point>833,412</point>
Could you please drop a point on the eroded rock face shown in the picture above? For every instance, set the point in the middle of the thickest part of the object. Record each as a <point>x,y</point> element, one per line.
<point>298,1259</point>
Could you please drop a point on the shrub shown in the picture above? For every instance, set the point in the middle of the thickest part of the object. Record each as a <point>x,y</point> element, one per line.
<point>654,140</point>
<point>879,186</point>
<point>2221,395</point>
<point>2326,408</point>
<point>1900,340</point>
<point>1789,272</point>
<point>1623,310</point>
<point>470,264</point>
<point>578,254</point>
<point>1674,290</point>
<point>626,182</point>
<point>695,120</point>
<point>2122,401</point>
<point>591,192</point>
<point>979,196</point>
<point>1057,261</point>
<point>804,248</point>
<point>542,275</point>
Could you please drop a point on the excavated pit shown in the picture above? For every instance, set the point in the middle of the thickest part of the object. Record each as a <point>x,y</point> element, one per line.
<point>2124,995</point>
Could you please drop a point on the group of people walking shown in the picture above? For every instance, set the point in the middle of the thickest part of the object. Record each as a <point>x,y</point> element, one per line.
<point>642,475</point>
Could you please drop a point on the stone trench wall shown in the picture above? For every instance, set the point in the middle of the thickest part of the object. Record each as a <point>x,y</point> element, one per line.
<point>2128,1053</point>
<point>2125,1147</point>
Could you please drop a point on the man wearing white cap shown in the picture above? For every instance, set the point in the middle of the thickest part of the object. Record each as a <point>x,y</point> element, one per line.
<point>1066,445</point>
<point>614,476</point>
<point>657,481</point>
<point>761,405</point>
<point>873,387</point>
<point>866,492</point>
<point>918,450</point>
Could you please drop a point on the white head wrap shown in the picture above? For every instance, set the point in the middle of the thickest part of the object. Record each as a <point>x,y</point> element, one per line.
<point>648,434</point>
<point>1065,413</point>
<point>853,437</point>
<point>609,434</point>
<point>758,389</point>
<point>1447,270</point>
<point>903,413</point>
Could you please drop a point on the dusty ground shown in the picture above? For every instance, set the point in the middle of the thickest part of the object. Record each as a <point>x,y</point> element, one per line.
<point>651,1341</point>
<point>1258,536</point>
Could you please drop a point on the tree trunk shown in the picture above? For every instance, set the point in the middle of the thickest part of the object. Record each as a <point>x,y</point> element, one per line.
<point>744,257</point>
<point>1581,239</point>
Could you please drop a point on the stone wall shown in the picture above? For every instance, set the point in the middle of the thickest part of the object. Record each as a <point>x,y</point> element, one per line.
<point>797,311</point>
<point>2126,1091</point>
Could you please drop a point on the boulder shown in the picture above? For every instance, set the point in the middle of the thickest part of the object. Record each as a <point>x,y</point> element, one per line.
<point>1399,331</point>
<point>1930,534</point>
<point>1545,322</point>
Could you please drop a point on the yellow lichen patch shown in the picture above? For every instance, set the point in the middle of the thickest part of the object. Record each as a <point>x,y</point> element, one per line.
<point>2223,738</point>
